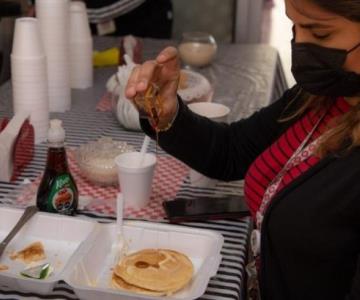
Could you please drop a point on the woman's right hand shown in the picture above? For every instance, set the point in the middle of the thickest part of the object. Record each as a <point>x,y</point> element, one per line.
<point>165,72</point>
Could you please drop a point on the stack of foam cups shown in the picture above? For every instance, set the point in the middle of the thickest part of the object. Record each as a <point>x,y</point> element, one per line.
<point>53,16</point>
<point>81,47</point>
<point>29,76</point>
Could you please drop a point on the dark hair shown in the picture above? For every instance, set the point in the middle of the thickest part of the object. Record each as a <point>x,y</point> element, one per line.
<point>349,9</point>
<point>343,134</point>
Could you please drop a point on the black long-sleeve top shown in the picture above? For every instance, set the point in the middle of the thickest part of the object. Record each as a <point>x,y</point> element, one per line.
<point>310,238</point>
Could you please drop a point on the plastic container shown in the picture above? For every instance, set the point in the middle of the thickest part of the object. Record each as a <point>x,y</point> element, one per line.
<point>197,49</point>
<point>194,87</point>
<point>215,111</point>
<point>90,278</point>
<point>64,239</point>
<point>85,249</point>
<point>96,160</point>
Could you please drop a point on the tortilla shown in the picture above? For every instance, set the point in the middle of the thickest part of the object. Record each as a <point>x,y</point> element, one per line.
<point>32,253</point>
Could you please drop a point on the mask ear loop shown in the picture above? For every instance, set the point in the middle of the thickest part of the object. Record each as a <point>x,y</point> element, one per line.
<point>293,31</point>
<point>353,48</point>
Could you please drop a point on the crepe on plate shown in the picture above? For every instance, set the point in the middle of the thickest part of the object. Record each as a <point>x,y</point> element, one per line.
<point>32,253</point>
<point>153,272</point>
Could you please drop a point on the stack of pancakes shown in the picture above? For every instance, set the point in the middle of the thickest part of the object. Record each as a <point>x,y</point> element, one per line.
<point>155,272</point>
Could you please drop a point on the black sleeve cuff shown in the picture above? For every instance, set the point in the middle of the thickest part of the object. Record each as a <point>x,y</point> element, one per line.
<point>150,131</point>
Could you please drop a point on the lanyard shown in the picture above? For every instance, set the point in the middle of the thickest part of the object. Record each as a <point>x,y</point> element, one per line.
<point>300,154</point>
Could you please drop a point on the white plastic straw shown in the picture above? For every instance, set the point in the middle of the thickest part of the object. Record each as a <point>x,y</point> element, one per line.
<point>144,147</point>
<point>118,246</point>
<point>119,211</point>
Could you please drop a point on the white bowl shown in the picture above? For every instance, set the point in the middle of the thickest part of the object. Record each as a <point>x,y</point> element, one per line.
<point>214,111</point>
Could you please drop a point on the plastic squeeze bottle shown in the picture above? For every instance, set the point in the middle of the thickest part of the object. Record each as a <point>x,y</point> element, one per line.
<point>57,192</point>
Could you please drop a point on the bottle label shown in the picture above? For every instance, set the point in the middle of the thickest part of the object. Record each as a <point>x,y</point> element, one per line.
<point>61,197</point>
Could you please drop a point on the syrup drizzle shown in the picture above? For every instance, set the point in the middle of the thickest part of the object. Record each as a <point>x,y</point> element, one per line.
<point>149,105</point>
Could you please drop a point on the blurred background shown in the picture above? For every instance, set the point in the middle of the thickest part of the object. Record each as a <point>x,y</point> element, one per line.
<point>229,21</point>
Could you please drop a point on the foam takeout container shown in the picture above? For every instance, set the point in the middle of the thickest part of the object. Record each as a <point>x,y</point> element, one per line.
<point>81,252</point>
<point>64,239</point>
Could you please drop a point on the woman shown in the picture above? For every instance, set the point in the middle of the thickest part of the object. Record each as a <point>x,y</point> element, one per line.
<point>300,156</point>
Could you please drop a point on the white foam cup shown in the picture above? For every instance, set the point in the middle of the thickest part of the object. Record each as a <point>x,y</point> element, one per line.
<point>79,23</point>
<point>135,180</point>
<point>51,6</point>
<point>216,112</point>
<point>81,47</point>
<point>27,41</point>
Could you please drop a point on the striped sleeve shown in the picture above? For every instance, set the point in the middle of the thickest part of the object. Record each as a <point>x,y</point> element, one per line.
<point>111,11</point>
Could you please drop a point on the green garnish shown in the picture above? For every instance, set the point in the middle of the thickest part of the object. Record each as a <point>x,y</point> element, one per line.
<point>38,272</point>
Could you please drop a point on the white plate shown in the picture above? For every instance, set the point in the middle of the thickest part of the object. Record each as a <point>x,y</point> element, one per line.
<point>91,277</point>
<point>198,88</point>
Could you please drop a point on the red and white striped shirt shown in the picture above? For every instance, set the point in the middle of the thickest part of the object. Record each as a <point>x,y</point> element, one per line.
<point>263,170</point>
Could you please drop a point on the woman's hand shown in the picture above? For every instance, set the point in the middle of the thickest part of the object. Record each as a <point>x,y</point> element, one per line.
<point>165,72</point>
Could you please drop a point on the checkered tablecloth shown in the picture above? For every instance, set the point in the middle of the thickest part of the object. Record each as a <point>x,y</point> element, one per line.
<point>169,175</point>
<point>104,103</point>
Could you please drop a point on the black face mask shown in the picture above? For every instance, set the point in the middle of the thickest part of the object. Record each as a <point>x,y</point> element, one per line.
<point>319,70</point>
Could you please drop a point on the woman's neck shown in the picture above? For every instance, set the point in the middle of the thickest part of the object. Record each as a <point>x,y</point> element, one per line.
<point>353,100</point>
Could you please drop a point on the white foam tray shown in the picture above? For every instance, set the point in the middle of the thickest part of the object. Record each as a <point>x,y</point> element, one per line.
<point>64,239</point>
<point>82,253</point>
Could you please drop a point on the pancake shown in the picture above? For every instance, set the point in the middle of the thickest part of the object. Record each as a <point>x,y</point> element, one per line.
<point>156,269</point>
<point>120,284</point>
<point>32,253</point>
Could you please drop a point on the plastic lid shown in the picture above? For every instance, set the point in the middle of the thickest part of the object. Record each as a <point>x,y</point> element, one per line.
<point>56,133</point>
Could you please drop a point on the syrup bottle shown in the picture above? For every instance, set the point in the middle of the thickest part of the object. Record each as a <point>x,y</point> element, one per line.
<point>57,192</point>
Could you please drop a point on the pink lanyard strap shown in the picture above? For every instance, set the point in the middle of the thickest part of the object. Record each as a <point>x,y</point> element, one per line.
<point>300,154</point>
